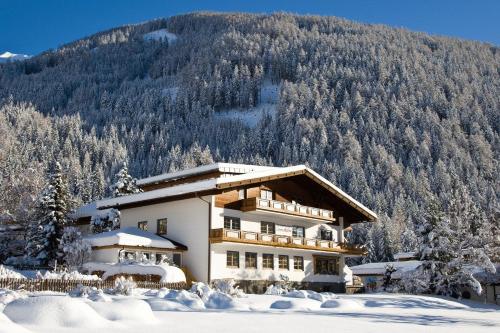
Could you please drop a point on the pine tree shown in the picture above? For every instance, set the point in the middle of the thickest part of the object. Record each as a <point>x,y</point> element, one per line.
<point>449,249</point>
<point>51,218</point>
<point>108,222</point>
<point>124,184</point>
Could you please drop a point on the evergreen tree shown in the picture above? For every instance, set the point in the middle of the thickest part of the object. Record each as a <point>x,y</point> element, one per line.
<point>448,248</point>
<point>108,222</point>
<point>51,218</point>
<point>124,184</point>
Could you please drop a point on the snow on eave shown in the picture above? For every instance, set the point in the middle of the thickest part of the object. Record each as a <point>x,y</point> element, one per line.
<point>378,268</point>
<point>187,188</point>
<point>88,210</point>
<point>129,236</point>
<point>222,167</point>
<point>222,182</point>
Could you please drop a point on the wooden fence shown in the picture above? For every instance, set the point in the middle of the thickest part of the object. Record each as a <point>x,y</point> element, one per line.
<point>68,285</point>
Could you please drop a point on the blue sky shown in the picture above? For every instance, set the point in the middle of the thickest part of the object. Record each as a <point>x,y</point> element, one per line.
<point>32,26</point>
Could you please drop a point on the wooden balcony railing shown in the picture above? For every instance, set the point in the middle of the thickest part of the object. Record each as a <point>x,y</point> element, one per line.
<point>252,204</point>
<point>250,237</point>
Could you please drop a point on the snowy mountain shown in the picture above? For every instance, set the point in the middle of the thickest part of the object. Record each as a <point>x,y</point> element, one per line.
<point>389,115</point>
<point>8,57</point>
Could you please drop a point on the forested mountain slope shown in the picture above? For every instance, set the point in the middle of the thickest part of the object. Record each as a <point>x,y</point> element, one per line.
<point>387,114</point>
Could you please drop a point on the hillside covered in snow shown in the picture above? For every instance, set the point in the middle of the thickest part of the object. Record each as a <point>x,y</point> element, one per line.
<point>392,117</point>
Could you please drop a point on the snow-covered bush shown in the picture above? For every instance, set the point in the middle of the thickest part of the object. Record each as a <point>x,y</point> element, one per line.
<point>7,296</point>
<point>201,289</point>
<point>281,287</point>
<point>92,293</point>
<point>124,286</point>
<point>275,290</point>
<point>9,273</point>
<point>228,286</point>
<point>74,250</point>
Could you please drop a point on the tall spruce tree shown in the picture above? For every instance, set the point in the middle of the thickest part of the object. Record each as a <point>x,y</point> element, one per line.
<point>449,248</point>
<point>51,217</point>
<point>124,184</point>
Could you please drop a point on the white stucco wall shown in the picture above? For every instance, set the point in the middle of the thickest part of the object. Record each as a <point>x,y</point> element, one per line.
<point>187,224</point>
<point>105,255</point>
<point>221,271</point>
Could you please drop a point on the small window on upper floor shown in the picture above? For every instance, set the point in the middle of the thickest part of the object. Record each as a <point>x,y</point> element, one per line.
<point>266,194</point>
<point>326,234</point>
<point>143,225</point>
<point>298,231</point>
<point>161,226</point>
<point>232,223</point>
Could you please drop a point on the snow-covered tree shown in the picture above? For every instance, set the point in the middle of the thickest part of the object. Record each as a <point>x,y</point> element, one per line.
<point>388,281</point>
<point>105,222</point>
<point>50,219</point>
<point>73,249</point>
<point>124,184</point>
<point>449,250</point>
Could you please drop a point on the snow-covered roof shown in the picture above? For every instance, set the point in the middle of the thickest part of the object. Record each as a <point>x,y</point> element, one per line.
<point>169,274</point>
<point>160,193</point>
<point>89,210</point>
<point>405,255</point>
<point>247,173</point>
<point>222,167</point>
<point>378,268</point>
<point>129,236</point>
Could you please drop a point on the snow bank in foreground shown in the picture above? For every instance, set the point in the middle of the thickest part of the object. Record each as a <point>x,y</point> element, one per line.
<point>7,326</point>
<point>168,274</point>
<point>343,305</point>
<point>160,35</point>
<point>54,311</point>
<point>321,297</point>
<point>74,275</point>
<point>7,273</point>
<point>125,309</point>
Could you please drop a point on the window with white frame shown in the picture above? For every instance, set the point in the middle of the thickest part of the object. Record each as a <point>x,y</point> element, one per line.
<point>298,263</point>
<point>283,262</point>
<point>232,223</point>
<point>266,194</point>
<point>267,261</point>
<point>161,226</point>
<point>233,259</point>
<point>143,225</point>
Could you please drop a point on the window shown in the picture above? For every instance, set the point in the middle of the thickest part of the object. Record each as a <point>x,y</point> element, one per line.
<point>267,227</point>
<point>129,255</point>
<point>268,261</point>
<point>298,232</point>
<point>298,263</point>
<point>326,265</point>
<point>283,262</point>
<point>143,225</point>
<point>241,193</point>
<point>250,260</point>
<point>326,234</point>
<point>176,258</point>
<point>265,194</point>
<point>231,223</point>
<point>233,259</point>
<point>161,226</point>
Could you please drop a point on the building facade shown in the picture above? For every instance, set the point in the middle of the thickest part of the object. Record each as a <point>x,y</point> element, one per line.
<point>254,224</point>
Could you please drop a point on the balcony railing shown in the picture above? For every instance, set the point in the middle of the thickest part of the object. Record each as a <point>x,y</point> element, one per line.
<point>251,237</point>
<point>252,204</point>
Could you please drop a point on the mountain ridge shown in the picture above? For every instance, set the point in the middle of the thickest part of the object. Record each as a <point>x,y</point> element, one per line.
<point>387,114</point>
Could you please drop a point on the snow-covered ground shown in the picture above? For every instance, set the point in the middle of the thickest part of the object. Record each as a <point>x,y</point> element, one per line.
<point>183,311</point>
<point>268,100</point>
<point>8,57</point>
<point>161,34</point>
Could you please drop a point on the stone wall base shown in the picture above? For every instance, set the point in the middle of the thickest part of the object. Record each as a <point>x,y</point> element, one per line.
<point>260,286</point>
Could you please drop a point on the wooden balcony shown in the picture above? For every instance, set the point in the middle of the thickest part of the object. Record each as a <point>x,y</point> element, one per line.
<point>256,238</point>
<point>258,204</point>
